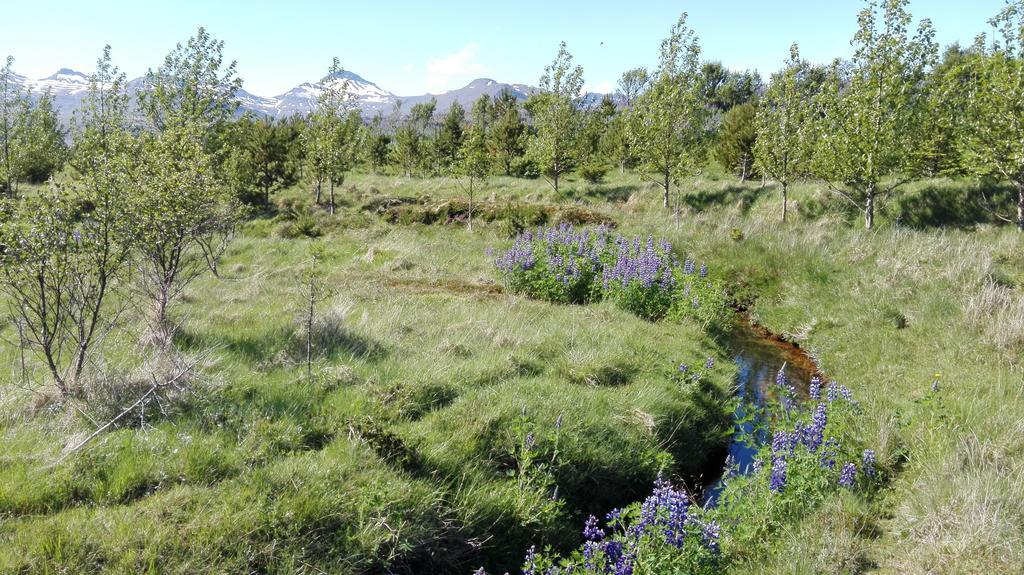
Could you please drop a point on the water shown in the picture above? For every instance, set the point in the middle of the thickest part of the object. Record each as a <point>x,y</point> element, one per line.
<point>759,356</point>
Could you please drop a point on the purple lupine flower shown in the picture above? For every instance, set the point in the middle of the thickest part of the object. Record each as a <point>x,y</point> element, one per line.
<point>814,435</point>
<point>846,476</point>
<point>480,571</point>
<point>780,442</point>
<point>828,454</point>
<point>710,363</point>
<point>757,464</point>
<point>778,477</point>
<point>530,440</point>
<point>530,562</point>
<point>710,533</point>
<point>613,518</point>
<point>833,392</point>
<point>683,367</point>
<point>703,270</point>
<point>591,530</point>
<point>845,393</point>
<point>814,390</point>
<point>868,462</point>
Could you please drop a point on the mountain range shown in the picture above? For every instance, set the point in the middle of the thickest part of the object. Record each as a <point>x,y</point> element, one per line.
<point>69,88</point>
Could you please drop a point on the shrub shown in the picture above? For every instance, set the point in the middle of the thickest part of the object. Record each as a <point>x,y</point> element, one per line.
<point>563,265</point>
<point>593,173</point>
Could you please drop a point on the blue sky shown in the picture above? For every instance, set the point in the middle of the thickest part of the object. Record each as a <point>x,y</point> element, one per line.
<point>411,48</point>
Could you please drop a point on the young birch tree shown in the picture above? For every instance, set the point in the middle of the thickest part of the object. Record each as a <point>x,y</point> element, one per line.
<point>993,124</point>
<point>780,150</point>
<point>557,118</point>
<point>872,110</point>
<point>669,127</point>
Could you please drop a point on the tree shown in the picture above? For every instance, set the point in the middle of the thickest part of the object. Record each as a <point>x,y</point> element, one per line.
<point>13,108</point>
<point>632,83</point>
<point>557,118</point>
<point>994,118</point>
<point>378,145</point>
<point>734,149</point>
<point>474,162</point>
<point>258,163</point>
<point>450,136</point>
<point>412,146</point>
<point>871,112</point>
<point>186,216</point>
<point>69,249</point>
<point>594,138</point>
<point>508,131</point>
<point>332,139</point>
<point>669,125</point>
<point>41,145</point>
<point>780,147</point>
<point>313,291</point>
<point>193,86</point>
<point>725,89</point>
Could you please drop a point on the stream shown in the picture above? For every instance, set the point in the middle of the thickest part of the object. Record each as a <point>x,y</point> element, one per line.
<point>759,355</point>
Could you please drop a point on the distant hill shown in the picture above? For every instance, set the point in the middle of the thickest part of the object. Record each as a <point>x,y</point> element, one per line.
<point>69,88</point>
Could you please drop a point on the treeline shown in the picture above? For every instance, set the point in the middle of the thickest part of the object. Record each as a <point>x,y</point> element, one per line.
<point>896,111</point>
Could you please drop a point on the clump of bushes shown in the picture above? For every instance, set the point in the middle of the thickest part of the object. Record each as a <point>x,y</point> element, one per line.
<point>565,265</point>
<point>518,216</point>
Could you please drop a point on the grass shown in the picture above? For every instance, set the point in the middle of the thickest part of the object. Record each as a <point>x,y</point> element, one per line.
<point>403,453</point>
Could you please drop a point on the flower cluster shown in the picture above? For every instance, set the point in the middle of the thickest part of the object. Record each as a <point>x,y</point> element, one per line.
<point>666,524</point>
<point>643,276</point>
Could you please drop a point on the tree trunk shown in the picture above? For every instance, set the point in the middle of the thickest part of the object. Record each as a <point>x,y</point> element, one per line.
<point>785,201</point>
<point>331,207</point>
<point>869,208</point>
<point>319,185</point>
<point>470,204</point>
<point>309,332</point>
<point>666,186</point>
<point>556,182</point>
<point>1020,206</point>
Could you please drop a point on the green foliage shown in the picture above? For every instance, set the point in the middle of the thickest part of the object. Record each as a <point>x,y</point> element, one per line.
<point>508,135</point>
<point>669,126</point>
<point>258,163</point>
<point>193,87</point>
<point>871,112</point>
<point>781,145</point>
<point>557,119</point>
<point>737,135</point>
<point>450,136</point>
<point>994,111</point>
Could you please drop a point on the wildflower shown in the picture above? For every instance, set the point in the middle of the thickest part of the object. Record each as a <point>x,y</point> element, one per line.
<point>780,442</point>
<point>710,363</point>
<point>613,517</point>
<point>530,441</point>
<point>591,531</point>
<point>778,477</point>
<point>683,367</point>
<point>814,391</point>
<point>710,533</point>
<point>846,477</point>
<point>868,462</point>
<point>530,563</point>
<point>703,270</point>
<point>480,571</point>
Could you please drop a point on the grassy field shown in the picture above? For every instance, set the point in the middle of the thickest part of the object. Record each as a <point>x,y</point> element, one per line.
<point>404,451</point>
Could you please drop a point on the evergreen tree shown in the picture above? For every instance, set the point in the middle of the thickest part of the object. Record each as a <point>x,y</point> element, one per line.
<point>41,145</point>
<point>734,149</point>
<point>450,136</point>
<point>508,132</point>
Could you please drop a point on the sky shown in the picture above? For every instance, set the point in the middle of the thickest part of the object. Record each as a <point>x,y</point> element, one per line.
<point>412,48</point>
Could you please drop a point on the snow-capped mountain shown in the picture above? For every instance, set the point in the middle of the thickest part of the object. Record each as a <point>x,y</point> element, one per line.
<point>365,95</point>
<point>69,88</point>
<point>469,94</point>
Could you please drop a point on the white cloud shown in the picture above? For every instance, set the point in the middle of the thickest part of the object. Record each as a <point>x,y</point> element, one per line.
<point>408,68</point>
<point>457,66</point>
<point>603,87</point>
